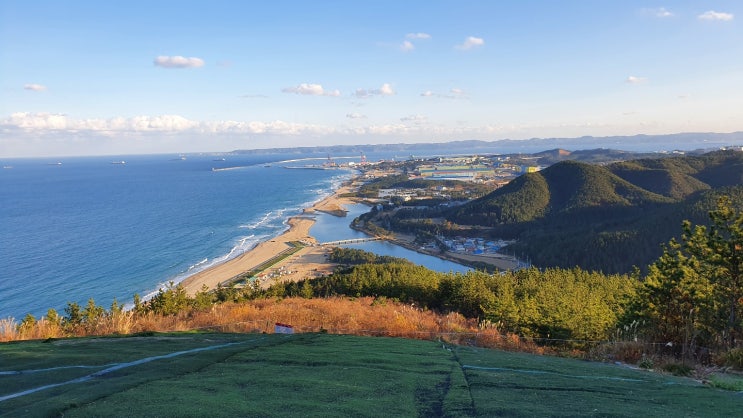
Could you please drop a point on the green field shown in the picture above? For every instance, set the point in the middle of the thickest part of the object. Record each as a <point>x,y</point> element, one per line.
<point>202,374</point>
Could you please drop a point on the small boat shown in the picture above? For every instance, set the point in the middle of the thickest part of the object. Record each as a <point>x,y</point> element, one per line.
<point>267,165</point>
<point>57,163</point>
<point>218,159</point>
<point>118,162</point>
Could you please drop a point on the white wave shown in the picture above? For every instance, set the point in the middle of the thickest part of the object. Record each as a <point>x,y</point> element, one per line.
<point>263,221</point>
<point>242,245</point>
<point>328,187</point>
<point>273,220</point>
<point>197,265</point>
<point>316,158</point>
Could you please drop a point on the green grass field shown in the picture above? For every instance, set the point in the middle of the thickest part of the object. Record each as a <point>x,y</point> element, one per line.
<point>201,374</point>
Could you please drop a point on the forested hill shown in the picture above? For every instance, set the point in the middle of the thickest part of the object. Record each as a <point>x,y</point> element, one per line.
<point>560,189</point>
<point>607,218</point>
<point>680,177</point>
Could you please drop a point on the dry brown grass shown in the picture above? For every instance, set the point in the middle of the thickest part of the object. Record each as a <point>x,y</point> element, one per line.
<point>8,329</point>
<point>358,316</point>
<point>361,316</point>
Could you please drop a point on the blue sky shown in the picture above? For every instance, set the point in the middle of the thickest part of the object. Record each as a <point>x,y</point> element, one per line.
<point>89,77</point>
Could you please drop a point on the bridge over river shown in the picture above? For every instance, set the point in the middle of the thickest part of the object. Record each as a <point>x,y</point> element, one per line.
<point>352,241</point>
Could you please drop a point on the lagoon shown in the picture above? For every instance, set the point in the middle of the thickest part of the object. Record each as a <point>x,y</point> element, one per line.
<point>334,228</point>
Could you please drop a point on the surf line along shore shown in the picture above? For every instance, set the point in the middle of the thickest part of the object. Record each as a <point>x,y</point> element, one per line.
<point>307,261</point>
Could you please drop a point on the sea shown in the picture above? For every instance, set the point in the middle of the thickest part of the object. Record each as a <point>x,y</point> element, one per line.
<point>106,228</point>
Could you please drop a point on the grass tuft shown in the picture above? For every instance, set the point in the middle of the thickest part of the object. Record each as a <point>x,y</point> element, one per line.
<point>726,382</point>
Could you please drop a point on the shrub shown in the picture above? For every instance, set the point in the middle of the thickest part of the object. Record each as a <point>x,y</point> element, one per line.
<point>677,369</point>
<point>630,352</point>
<point>734,358</point>
<point>646,363</point>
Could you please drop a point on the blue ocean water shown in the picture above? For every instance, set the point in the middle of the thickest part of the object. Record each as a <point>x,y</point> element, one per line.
<point>90,228</point>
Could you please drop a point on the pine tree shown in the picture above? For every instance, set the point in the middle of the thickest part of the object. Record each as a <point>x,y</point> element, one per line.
<point>719,250</point>
<point>677,300</point>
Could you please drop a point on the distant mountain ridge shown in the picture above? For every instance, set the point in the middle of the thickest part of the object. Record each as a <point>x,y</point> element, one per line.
<point>607,218</point>
<point>637,143</point>
<point>681,177</point>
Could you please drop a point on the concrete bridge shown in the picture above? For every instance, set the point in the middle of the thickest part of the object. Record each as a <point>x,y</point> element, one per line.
<point>352,241</point>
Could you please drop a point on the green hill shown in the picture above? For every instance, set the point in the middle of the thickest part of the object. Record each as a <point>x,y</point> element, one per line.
<point>679,177</point>
<point>607,218</point>
<point>558,190</point>
<point>524,199</point>
<point>210,374</point>
<point>575,185</point>
<point>670,183</point>
<point>593,156</point>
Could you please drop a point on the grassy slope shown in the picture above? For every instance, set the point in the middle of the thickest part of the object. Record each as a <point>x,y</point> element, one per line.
<point>331,375</point>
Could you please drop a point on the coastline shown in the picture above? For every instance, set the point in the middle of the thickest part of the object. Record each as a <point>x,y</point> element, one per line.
<point>310,259</point>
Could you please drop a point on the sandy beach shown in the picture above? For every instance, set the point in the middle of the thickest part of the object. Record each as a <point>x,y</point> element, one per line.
<point>307,262</point>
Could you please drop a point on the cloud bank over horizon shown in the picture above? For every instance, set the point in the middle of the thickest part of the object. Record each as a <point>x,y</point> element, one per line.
<point>155,134</point>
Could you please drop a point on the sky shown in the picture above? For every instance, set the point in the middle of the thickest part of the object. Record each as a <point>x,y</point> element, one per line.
<point>134,77</point>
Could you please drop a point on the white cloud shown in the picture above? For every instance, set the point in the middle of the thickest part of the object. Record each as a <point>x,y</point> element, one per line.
<point>385,90</point>
<point>178,61</point>
<point>34,87</point>
<point>419,35</point>
<point>166,123</point>
<point>407,46</point>
<point>25,120</point>
<point>471,42</point>
<point>635,80</point>
<point>414,119</point>
<point>310,89</point>
<point>660,12</point>
<point>60,127</point>
<point>663,12</point>
<point>713,15</point>
<point>49,123</point>
<point>454,93</point>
